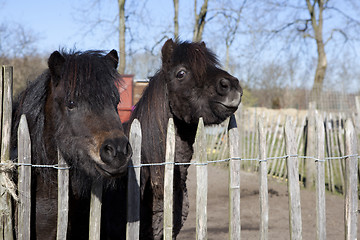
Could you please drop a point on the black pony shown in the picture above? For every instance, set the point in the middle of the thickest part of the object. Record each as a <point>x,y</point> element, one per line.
<point>72,107</point>
<point>189,85</point>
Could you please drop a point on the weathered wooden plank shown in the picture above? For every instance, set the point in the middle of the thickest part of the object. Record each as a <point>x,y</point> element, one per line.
<point>357,104</point>
<point>24,180</point>
<point>331,152</point>
<point>202,181</point>
<point>169,181</point>
<point>274,136</point>
<point>6,229</point>
<point>277,135</point>
<point>234,181</point>
<point>263,188</point>
<point>310,147</point>
<point>63,199</point>
<point>133,196</point>
<point>253,143</point>
<point>320,179</point>
<point>351,190</point>
<point>95,210</point>
<point>293,183</point>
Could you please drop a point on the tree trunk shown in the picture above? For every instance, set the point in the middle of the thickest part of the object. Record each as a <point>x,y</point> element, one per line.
<point>227,59</point>
<point>317,25</point>
<point>199,21</point>
<point>320,73</point>
<point>176,19</point>
<point>122,57</point>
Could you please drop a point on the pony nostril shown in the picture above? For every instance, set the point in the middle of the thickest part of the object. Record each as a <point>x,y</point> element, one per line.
<point>224,86</point>
<point>107,152</point>
<point>124,149</point>
<point>110,150</point>
<point>117,149</point>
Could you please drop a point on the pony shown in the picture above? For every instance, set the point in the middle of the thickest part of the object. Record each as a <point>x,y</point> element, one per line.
<point>72,108</point>
<point>189,85</point>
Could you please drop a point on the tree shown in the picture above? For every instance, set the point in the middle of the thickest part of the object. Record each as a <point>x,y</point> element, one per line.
<point>122,51</point>
<point>308,18</point>
<point>229,17</point>
<point>199,20</point>
<point>317,21</point>
<point>16,41</point>
<point>176,19</point>
<point>108,21</point>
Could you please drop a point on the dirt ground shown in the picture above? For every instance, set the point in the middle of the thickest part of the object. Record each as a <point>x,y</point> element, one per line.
<point>249,204</point>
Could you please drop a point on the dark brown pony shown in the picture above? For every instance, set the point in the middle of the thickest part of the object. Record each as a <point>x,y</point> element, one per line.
<point>189,85</point>
<point>72,107</point>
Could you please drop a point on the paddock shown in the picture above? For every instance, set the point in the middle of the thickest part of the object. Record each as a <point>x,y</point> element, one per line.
<point>234,162</point>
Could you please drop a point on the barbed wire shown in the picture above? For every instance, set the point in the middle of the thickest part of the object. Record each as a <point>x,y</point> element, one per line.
<point>10,164</point>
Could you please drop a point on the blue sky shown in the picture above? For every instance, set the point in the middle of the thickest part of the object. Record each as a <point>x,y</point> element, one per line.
<point>61,24</point>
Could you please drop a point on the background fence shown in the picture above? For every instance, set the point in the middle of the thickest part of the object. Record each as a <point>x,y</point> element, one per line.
<point>304,122</point>
<point>261,145</point>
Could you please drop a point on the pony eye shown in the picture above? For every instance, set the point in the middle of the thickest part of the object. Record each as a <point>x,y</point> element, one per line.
<point>71,105</point>
<point>181,74</point>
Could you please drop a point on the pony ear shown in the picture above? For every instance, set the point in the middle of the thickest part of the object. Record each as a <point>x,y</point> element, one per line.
<point>203,44</point>
<point>112,58</point>
<point>167,51</point>
<point>55,63</point>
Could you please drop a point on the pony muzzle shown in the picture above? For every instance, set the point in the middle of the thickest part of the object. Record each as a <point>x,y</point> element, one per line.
<point>115,154</point>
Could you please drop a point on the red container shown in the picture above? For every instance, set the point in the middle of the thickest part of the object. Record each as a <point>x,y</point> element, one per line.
<point>126,97</point>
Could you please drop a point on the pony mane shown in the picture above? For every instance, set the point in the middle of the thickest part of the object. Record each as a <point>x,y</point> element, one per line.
<point>86,74</point>
<point>152,111</point>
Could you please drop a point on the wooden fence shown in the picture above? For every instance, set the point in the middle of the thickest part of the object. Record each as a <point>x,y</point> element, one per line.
<point>274,121</point>
<point>231,137</point>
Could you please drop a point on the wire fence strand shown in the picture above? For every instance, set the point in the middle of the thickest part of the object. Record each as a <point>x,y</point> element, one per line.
<point>11,164</point>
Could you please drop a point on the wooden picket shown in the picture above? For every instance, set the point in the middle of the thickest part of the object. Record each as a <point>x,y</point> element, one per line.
<point>351,183</point>
<point>263,188</point>
<point>24,180</point>
<point>169,180</point>
<point>320,178</point>
<point>63,199</point>
<point>234,181</point>
<point>6,229</point>
<point>202,182</point>
<point>133,194</point>
<point>293,183</point>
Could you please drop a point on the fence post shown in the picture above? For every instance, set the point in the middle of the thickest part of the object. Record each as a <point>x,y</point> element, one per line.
<point>24,180</point>
<point>169,181</point>
<point>202,181</point>
<point>351,190</point>
<point>6,229</point>
<point>320,179</point>
<point>63,199</point>
<point>293,182</point>
<point>357,103</point>
<point>133,195</point>
<point>95,210</point>
<point>310,146</point>
<point>234,181</point>
<point>263,188</point>
<point>357,122</point>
